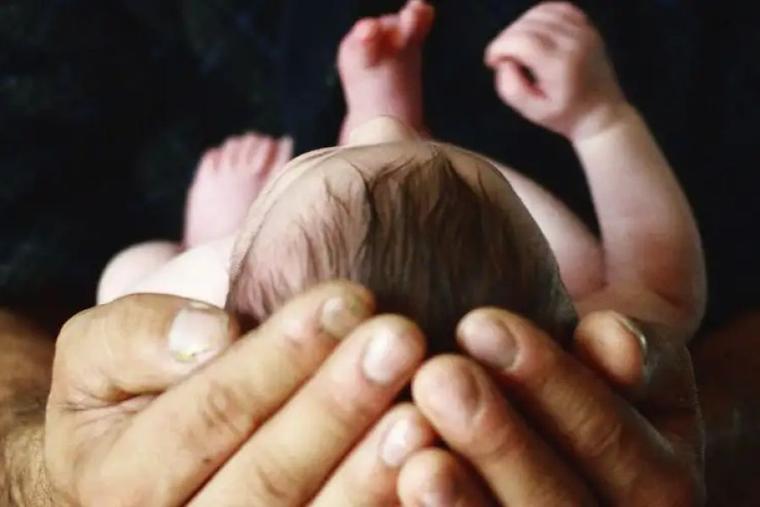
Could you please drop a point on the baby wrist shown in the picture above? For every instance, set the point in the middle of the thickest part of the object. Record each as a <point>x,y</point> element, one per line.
<point>600,119</point>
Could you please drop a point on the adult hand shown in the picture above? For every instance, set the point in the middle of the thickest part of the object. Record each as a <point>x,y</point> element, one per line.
<point>544,429</point>
<point>155,401</point>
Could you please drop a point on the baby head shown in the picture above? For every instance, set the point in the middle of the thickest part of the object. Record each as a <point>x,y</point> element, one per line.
<point>432,230</point>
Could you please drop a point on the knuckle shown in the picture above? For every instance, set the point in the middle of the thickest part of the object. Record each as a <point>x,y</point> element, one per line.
<point>76,328</point>
<point>542,364</point>
<point>226,409</point>
<point>524,42</point>
<point>537,44</point>
<point>273,483</point>
<point>599,435</point>
<point>69,330</point>
<point>348,406</point>
<point>504,444</point>
<point>507,439</point>
<point>542,7</point>
<point>570,8</point>
<point>594,432</point>
<point>72,348</point>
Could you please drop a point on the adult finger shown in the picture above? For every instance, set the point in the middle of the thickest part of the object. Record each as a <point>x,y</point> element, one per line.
<point>607,343</point>
<point>646,366</point>
<point>436,477</point>
<point>285,462</point>
<point>469,413</point>
<point>197,425</point>
<point>139,344</point>
<point>623,455</point>
<point>368,476</point>
<point>113,359</point>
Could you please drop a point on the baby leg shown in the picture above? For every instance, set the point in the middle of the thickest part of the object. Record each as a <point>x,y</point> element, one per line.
<point>159,267</point>
<point>227,181</point>
<point>131,265</point>
<point>380,67</point>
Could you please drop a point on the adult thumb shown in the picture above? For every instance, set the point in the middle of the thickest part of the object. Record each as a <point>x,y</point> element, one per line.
<point>139,344</point>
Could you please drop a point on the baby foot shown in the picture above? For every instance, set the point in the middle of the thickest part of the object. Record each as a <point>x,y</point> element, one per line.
<point>227,181</point>
<point>379,62</point>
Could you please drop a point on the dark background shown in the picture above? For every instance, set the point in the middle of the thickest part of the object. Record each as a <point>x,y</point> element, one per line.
<point>105,107</point>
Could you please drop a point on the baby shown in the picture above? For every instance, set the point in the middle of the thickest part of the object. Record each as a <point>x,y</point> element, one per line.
<point>432,229</point>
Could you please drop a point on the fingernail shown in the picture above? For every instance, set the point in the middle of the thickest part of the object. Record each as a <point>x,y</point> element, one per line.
<point>454,395</point>
<point>388,356</point>
<point>341,314</point>
<point>198,331</point>
<point>633,329</point>
<point>403,438</point>
<point>489,341</point>
<point>442,492</point>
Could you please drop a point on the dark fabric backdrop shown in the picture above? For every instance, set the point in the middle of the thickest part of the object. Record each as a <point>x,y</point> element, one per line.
<point>105,106</point>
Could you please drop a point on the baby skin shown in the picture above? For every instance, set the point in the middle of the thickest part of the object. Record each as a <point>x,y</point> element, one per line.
<point>550,66</point>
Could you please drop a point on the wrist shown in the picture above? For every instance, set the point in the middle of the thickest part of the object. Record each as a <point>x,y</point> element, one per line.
<point>600,119</point>
<point>23,476</point>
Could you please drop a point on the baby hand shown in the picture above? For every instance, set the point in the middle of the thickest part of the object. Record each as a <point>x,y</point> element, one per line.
<point>552,68</point>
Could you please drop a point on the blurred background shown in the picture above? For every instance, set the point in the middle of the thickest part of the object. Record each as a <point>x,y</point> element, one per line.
<point>106,106</point>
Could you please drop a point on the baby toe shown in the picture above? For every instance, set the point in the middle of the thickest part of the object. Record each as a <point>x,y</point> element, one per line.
<point>361,45</point>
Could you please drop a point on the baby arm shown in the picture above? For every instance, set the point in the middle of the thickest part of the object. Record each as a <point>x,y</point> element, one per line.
<point>551,67</point>
<point>651,242</point>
